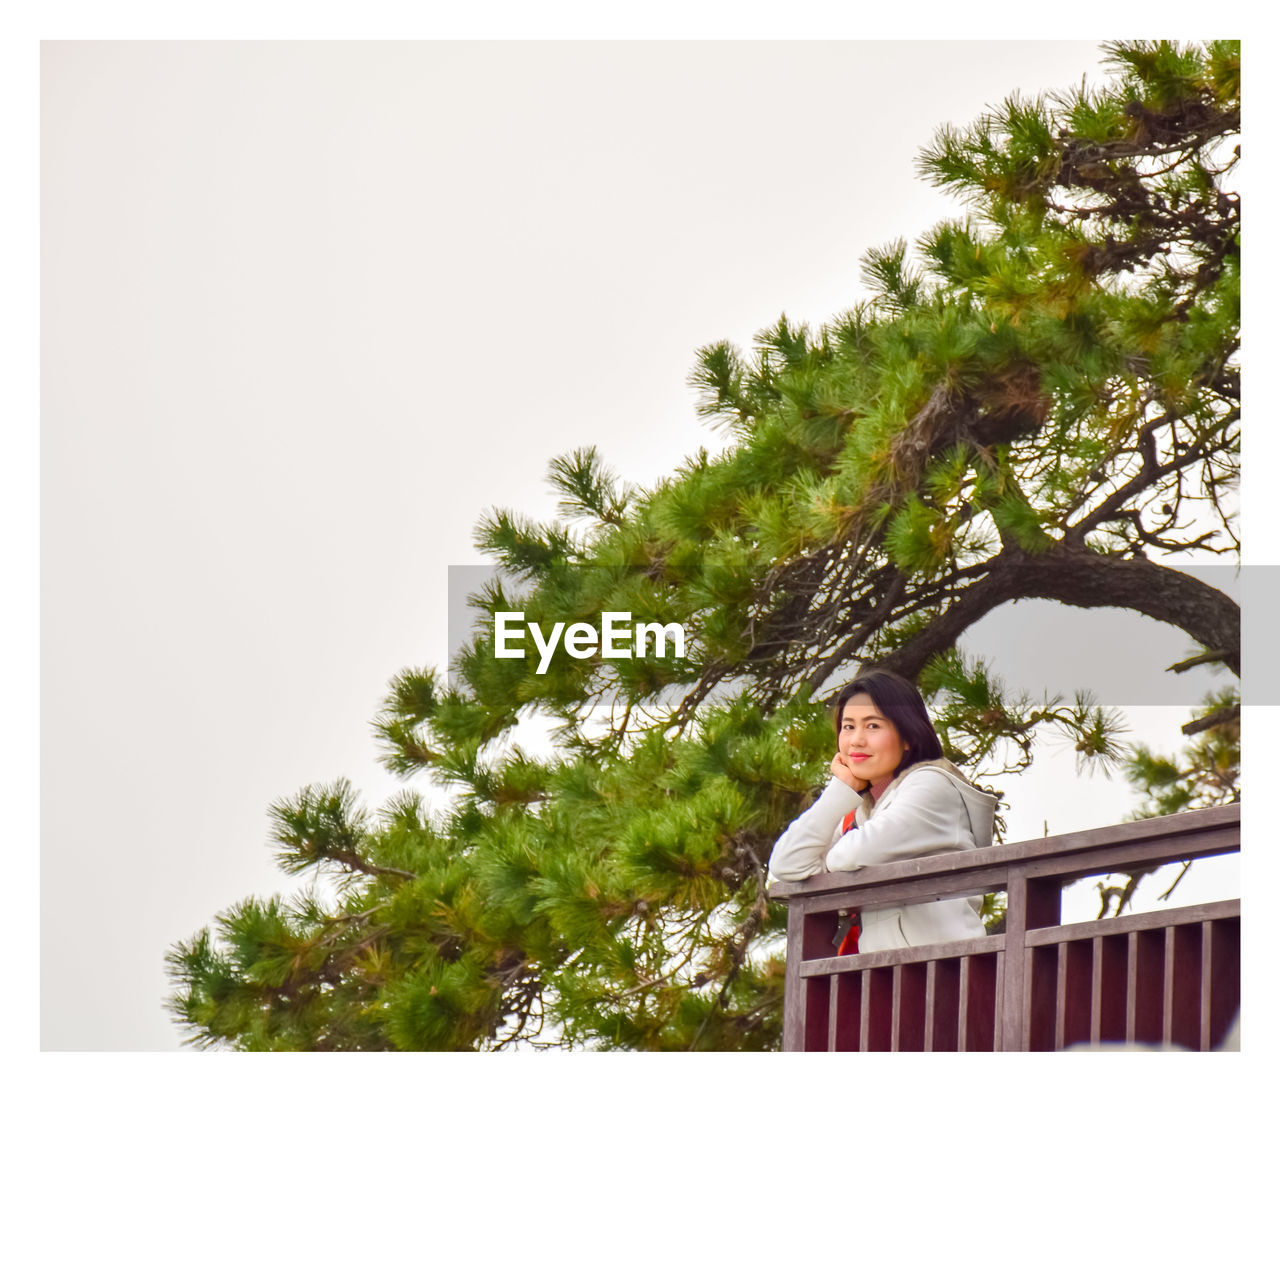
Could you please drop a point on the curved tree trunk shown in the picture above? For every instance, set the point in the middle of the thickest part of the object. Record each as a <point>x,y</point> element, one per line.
<point>1084,580</point>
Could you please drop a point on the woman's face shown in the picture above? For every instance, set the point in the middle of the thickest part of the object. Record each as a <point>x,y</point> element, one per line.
<point>868,741</point>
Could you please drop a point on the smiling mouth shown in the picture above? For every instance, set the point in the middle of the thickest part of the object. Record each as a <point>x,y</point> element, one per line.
<point>859,758</point>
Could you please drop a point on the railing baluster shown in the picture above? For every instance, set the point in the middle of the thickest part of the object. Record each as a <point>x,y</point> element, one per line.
<point>883,1007</point>
<point>983,1003</point>
<point>942,1005</point>
<point>1060,1002</point>
<point>930,1003</point>
<point>1095,993</point>
<point>909,991</point>
<point>845,1015</point>
<point>1147,975</point>
<point>1220,1003</point>
<point>895,1027</point>
<point>1109,1007</point>
<point>817,1012</point>
<point>1207,950</point>
<point>998,1022</point>
<point>1181,991</point>
<point>1131,990</point>
<point>1039,998</point>
<point>1073,997</point>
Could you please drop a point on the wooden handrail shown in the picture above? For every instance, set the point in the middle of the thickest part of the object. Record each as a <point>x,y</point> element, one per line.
<point>1210,826</point>
<point>1040,982</point>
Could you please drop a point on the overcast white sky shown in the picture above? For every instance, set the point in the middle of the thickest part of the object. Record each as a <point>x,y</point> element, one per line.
<point>307,311</point>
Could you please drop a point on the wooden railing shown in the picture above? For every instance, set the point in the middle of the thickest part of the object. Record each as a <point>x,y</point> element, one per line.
<point>1168,978</point>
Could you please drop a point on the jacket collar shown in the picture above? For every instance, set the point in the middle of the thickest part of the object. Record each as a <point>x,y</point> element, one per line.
<point>944,764</point>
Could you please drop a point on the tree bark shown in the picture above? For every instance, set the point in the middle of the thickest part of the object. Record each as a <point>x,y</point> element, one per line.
<point>1084,580</point>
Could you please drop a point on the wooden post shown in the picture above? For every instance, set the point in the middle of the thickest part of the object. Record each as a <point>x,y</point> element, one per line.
<point>1033,902</point>
<point>793,988</point>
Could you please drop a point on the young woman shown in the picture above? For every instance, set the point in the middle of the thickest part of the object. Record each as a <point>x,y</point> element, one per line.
<point>892,796</point>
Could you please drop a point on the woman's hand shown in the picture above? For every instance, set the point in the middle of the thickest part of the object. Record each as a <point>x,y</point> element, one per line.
<point>841,770</point>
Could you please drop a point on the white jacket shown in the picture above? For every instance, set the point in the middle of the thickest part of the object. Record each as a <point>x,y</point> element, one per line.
<point>928,810</point>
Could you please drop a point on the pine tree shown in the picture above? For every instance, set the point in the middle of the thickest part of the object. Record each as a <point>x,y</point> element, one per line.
<point>1038,400</point>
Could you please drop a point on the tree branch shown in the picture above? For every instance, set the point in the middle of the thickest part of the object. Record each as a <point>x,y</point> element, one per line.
<point>1226,715</point>
<point>1083,579</point>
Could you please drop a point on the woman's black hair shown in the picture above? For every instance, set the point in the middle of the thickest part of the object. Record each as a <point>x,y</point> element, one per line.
<point>900,702</point>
